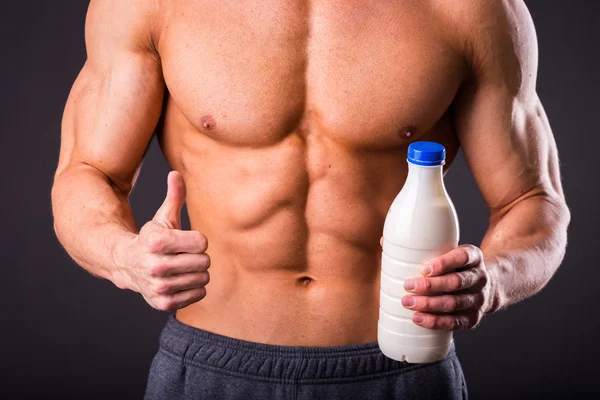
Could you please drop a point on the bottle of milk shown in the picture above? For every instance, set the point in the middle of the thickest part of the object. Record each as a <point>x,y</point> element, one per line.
<point>421,224</point>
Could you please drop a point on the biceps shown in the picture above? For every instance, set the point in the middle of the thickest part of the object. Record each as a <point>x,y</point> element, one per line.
<point>509,147</point>
<point>111,115</point>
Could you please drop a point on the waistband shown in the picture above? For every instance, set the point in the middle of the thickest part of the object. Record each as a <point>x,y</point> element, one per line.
<point>212,351</point>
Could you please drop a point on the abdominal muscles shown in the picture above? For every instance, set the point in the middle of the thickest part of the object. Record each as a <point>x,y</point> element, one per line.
<point>293,237</point>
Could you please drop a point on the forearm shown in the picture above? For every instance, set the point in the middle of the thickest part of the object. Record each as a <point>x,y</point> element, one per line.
<point>523,248</point>
<point>92,218</point>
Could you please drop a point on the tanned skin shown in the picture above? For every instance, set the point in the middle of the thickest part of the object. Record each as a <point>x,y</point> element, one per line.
<point>287,125</point>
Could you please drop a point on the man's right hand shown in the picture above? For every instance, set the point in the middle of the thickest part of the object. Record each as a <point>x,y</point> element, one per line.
<point>166,265</point>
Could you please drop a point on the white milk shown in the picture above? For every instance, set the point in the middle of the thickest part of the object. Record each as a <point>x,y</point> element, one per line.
<point>420,224</point>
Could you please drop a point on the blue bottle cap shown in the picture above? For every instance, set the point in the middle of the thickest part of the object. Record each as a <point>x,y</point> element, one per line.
<point>426,153</point>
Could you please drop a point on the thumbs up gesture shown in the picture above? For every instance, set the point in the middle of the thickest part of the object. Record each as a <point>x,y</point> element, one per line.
<point>166,265</point>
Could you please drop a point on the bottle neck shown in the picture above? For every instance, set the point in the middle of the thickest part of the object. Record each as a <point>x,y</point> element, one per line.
<point>427,180</point>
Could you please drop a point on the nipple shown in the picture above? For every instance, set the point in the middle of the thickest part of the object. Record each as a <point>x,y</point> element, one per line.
<point>208,123</point>
<point>407,132</point>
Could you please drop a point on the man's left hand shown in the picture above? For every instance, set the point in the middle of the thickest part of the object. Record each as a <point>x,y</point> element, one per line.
<point>453,293</point>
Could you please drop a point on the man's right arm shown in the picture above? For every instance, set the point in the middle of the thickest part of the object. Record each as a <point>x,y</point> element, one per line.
<point>109,120</point>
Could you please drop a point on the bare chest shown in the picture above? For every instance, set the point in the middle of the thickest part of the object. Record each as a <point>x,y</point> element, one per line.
<point>365,74</point>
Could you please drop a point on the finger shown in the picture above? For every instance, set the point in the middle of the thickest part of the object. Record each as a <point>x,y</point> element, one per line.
<point>443,303</point>
<point>381,241</point>
<point>448,283</point>
<point>460,257</point>
<point>184,263</point>
<point>174,241</point>
<point>169,213</point>
<point>180,299</point>
<point>451,322</point>
<point>182,282</point>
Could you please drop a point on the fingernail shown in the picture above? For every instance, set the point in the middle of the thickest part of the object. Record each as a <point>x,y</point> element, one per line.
<point>418,318</point>
<point>409,284</point>
<point>408,301</point>
<point>426,270</point>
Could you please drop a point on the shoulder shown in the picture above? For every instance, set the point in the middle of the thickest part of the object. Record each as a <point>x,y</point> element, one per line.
<point>496,37</point>
<point>131,23</point>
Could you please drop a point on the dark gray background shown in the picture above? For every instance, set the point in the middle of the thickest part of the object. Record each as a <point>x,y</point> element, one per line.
<point>67,333</point>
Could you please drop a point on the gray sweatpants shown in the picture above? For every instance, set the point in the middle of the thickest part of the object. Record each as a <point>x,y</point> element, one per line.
<point>195,364</point>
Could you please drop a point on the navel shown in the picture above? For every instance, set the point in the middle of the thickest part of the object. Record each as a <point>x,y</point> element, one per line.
<point>208,123</point>
<point>305,281</point>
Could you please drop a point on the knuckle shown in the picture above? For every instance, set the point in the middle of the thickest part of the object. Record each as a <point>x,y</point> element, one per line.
<point>205,262</point>
<point>162,287</point>
<point>200,263</point>
<point>462,256</point>
<point>423,303</point>
<point>474,254</point>
<point>483,277</point>
<point>472,302</point>
<point>469,278</point>
<point>436,323</point>
<point>457,281</point>
<point>168,236</point>
<point>161,303</point>
<point>201,241</point>
<point>426,284</point>
<point>168,304</point>
<point>437,266</point>
<point>201,294</point>
<point>453,303</point>
<point>478,300</point>
<point>205,278</point>
<point>155,242</point>
<point>155,267</point>
<point>465,302</point>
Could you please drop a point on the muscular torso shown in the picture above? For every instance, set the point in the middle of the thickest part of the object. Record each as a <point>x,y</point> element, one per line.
<point>290,123</point>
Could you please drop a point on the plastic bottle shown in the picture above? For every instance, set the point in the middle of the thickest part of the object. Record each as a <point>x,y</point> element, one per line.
<point>421,224</point>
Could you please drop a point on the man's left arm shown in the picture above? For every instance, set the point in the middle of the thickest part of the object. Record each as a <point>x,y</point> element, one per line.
<point>510,149</point>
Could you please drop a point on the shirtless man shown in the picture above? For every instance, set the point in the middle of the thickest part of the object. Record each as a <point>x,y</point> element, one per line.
<point>287,123</point>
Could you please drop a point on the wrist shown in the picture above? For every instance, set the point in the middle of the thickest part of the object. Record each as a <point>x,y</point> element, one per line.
<point>494,298</point>
<point>121,252</point>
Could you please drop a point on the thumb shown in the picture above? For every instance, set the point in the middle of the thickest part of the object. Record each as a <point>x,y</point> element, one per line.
<point>169,213</point>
